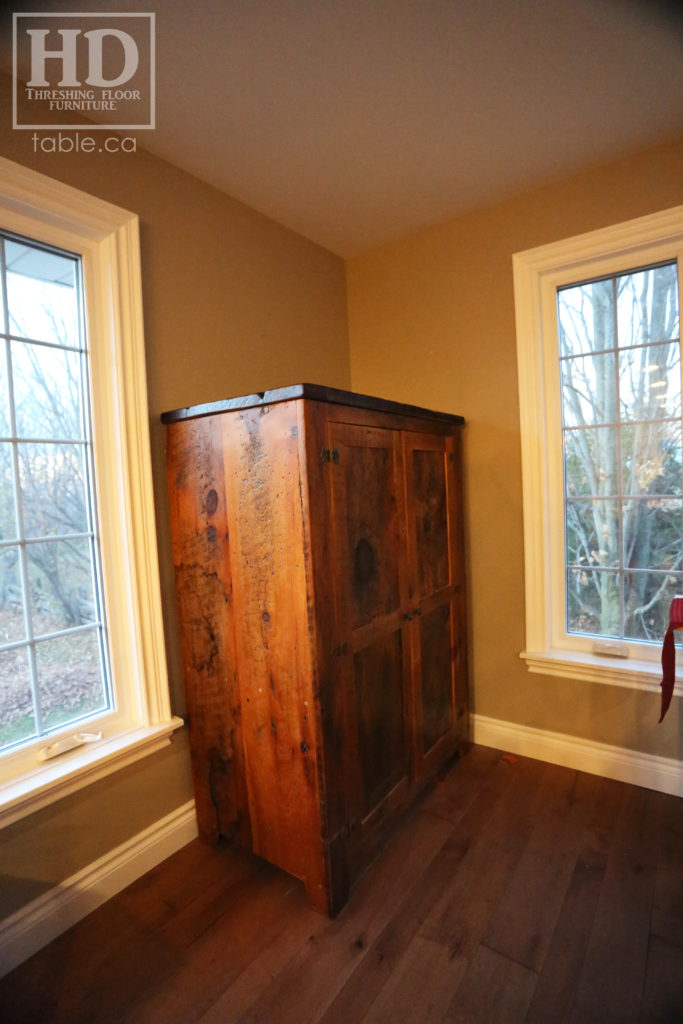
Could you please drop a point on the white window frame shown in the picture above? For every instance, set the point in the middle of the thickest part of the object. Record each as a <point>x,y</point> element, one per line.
<point>107,240</point>
<point>538,273</point>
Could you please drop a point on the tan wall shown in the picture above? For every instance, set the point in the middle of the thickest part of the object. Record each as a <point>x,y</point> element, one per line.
<point>233,303</point>
<point>431,321</point>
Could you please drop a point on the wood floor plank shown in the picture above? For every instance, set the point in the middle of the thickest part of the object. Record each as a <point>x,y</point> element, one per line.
<point>464,910</point>
<point>451,793</point>
<point>667,926</point>
<point>272,958</point>
<point>412,908</point>
<point>611,985</point>
<point>119,936</point>
<point>421,987</point>
<point>669,884</point>
<point>601,824</point>
<point>258,913</point>
<point>663,994</point>
<point>148,980</point>
<point>494,989</point>
<point>554,995</point>
<point>311,980</point>
<point>193,917</point>
<point>180,879</point>
<point>525,919</point>
<point>218,936</point>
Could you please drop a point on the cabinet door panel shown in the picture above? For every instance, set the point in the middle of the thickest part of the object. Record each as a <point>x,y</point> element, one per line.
<point>370,583</point>
<point>436,662</point>
<point>434,562</point>
<point>430,520</point>
<point>366,486</point>
<point>370,533</point>
<point>378,687</point>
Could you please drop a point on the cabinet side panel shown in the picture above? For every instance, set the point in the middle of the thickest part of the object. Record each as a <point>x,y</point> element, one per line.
<point>274,641</point>
<point>460,625</point>
<point>204,592</point>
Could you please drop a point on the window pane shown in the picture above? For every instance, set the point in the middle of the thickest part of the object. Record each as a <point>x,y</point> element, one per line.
<point>53,491</point>
<point>589,390</point>
<point>591,462</point>
<point>651,456</point>
<point>41,294</point>
<point>647,597</point>
<point>593,602</point>
<point>647,305</point>
<point>586,318</point>
<point>12,621</point>
<point>650,382</point>
<point>653,533</point>
<point>8,518</point>
<point>632,470</point>
<point>17,721</point>
<point>593,533</point>
<point>47,392</point>
<point>60,579</point>
<point>70,680</point>
<point>4,399</point>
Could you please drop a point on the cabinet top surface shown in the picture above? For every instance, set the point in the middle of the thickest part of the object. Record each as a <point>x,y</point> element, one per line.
<point>315,392</point>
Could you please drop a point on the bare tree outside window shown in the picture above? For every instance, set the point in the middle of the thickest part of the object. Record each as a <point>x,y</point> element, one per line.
<point>621,409</point>
<point>52,639</point>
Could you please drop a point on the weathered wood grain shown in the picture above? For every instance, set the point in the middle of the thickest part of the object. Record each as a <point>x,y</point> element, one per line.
<point>318,553</point>
<point>205,609</point>
<point>274,645</point>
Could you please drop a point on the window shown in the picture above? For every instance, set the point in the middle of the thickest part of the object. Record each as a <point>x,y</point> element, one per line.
<point>53,647</point>
<point>598,340</point>
<point>620,369</point>
<point>81,639</point>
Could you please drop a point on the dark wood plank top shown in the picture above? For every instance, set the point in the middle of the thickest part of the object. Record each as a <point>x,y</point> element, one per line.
<point>316,392</point>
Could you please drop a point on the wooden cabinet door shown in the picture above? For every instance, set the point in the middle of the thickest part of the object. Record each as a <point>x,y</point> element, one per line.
<point>436,595</point>
<point>370,580</point>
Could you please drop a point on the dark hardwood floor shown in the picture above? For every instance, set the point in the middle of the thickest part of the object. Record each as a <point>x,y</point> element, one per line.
<point>514,891</point>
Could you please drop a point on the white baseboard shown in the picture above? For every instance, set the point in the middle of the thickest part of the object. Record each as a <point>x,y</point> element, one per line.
<point>661,773</point>
<point>39,922</point>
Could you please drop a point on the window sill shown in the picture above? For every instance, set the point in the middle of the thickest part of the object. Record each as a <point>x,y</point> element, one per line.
<point>80,767</point>
<point>628,672</point>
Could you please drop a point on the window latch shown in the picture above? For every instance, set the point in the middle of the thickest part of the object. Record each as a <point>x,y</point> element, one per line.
<point>68,743</point>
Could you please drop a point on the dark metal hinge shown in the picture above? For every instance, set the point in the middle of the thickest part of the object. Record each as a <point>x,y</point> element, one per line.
<point>330,455</point>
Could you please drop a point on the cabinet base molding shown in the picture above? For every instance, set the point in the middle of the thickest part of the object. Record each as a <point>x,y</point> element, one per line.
<point>56,910</point>
<point>664,774</point>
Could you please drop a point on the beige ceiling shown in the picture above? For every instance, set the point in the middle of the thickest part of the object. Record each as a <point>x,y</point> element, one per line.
<point>357,121</point>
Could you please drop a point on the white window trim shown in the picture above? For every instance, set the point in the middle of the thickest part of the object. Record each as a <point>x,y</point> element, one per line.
<point>537,275</point>
<point>107,239</point>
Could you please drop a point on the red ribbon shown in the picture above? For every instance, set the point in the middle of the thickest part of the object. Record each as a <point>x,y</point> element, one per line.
<point>669,654</point>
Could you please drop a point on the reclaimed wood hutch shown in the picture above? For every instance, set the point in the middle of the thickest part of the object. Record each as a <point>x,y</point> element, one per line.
<point>319,566</point>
